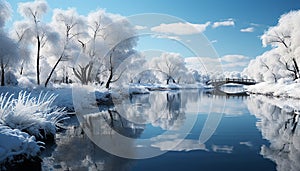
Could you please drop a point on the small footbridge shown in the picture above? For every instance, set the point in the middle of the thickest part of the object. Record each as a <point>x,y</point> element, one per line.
<point>220,82</point>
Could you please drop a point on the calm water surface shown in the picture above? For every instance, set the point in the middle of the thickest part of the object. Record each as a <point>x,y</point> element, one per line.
<point>191,129</point>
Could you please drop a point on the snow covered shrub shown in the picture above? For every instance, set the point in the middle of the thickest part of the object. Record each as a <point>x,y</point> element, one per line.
<point>14,143</point>
<point>34,115</point>
<point>26,82</point>
<point>10,79</point>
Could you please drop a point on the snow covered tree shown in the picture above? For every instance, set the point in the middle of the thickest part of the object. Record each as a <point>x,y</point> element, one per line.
<point>109,42</point>
<point>20,36</point>
<point>8,55</point>
<point>268,67</point>
<point>120,38</point>
<point>69,25</point>
<point>146,76</point>
<point>114,60</point>
<point>92,45</point>
<point>170,65</point>
<point>131,68</point>
<point>284,57</point>
<point>37,32</point>
<point>5,12</point>
<point>8,49</point>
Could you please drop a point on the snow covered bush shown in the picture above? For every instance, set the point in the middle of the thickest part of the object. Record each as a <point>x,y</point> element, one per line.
<point>26,82</point>
<point>10,79</point>
<point>14,143</point>
<point>34,115</point>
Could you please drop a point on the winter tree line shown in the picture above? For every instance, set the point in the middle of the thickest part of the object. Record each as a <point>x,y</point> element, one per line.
<point>100,48</point>
<point>282,60</point>
<point>96,48</point>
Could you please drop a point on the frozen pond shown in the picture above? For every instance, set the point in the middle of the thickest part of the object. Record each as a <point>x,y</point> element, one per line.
<point>180,130</point>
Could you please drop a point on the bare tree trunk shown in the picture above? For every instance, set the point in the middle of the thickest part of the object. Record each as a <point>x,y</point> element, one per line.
<point>22,68</point>
<point>109,78</point>
<point>78,75</point>
<point>89,73</point>
<point>38,60</point>
<point>172,79</point>
<point>2,75</point>
<point>82,74</point>
<point>110,71</point>
<point>53,69</point>
<point>297,74</point>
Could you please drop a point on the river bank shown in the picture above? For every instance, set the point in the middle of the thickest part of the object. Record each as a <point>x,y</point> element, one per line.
<point>283,88</point>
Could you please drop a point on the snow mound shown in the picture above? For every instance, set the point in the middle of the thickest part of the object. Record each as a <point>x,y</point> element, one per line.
<point>14,142</point>
<point>281,89</point>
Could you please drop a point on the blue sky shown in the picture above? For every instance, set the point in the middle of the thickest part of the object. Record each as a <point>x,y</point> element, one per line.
<point>253,16</point>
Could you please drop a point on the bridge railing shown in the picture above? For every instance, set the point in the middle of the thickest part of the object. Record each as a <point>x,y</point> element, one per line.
<point>242,80</point>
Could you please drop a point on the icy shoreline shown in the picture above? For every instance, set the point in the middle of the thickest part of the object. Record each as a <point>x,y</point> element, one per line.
<point>281,89</point>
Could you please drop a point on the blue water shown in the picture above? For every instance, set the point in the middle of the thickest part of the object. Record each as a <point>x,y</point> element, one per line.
<point>244,137</point>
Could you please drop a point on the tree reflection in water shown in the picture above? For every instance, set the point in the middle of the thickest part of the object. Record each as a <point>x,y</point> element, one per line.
<point>170,111</point>
<point>160,109</point>
<point>75,151</point>
<point>278,123</point>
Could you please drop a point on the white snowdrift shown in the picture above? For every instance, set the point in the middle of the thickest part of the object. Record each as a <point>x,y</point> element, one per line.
<point>280,89</point>
<point>14,142</point>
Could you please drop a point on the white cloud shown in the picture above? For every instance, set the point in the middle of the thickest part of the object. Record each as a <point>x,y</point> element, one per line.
<point>214,41</point>
<point>234,58</point>
<point>228,22</point>
<point>254,24</point>
<point>234,62</point>
<point>138,27</point>
<point>181,28</point>
<point>224,63</point>
<point>203,64</point>
<point>167,37</point>
<point>248,30</point>
<point>237,66</point>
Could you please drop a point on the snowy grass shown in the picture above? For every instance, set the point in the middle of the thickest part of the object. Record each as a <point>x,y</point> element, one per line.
<point>34,115</point>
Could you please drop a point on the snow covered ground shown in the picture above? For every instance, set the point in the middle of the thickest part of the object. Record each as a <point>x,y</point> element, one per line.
<point>283,88</point>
